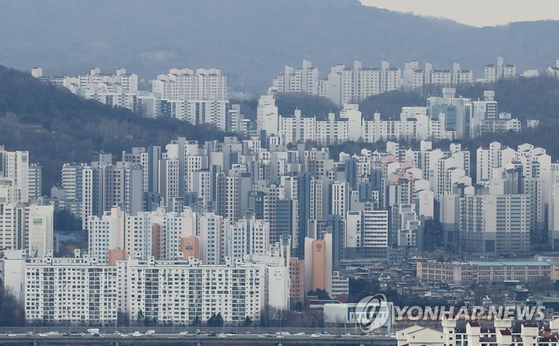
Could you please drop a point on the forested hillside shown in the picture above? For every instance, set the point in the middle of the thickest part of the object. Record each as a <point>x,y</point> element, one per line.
<point>57,126</point>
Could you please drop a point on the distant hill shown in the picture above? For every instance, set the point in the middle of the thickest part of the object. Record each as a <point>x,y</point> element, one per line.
<point>251,40</point>
<point>57,126</point>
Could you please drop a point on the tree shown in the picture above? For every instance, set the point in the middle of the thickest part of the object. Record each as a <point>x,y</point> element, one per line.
<point>434,235</point>
<point>390,104</point>
<point>65,221</point>
<point>123,320</point>
<point>247,322</point>
<point>360,288</point>
<point>216,320</point>
<point>196,322</point>
<point>140,317</point>
<point>12,312</point>
<point>320,293</point>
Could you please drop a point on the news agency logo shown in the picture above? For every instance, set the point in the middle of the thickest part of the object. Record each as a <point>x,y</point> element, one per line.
<point>372,312</point>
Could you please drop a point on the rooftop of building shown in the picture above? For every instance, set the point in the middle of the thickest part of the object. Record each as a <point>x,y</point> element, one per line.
<point>509,263</point>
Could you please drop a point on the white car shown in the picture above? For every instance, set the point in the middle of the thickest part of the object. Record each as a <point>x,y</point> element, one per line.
<point>221,336</point>
<point>301,333</point>
<point>315,335</point>
<point>183,333</point>
<point>12,335</point>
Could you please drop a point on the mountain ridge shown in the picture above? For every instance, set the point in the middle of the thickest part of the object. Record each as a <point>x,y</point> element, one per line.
<point>252,40</point>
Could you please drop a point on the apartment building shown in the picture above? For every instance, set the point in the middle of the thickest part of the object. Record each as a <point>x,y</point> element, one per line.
<point>303,79</point>
<point>14,167</point>
<point>180,292</point>
<point>467,273</point>
<point>495,72</point>
<point>354,84</point>
<point>413,77</point>
<point>514,331</point>
<point>186,84</point>
<point>75,290</point>
<point>81,290</point>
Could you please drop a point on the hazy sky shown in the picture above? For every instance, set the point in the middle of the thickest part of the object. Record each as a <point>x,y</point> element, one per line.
<point>475,12</point>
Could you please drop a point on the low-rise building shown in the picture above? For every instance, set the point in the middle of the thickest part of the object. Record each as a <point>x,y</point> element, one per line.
<point>465,273</point>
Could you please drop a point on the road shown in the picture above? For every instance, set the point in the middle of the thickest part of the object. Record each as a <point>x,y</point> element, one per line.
<point>194,339</point>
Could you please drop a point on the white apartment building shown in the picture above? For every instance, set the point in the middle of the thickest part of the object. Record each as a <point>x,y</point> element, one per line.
<point>339,198</point>
<point>76,290</point>
<point>170,230</point>
<point>106,233</point>
<point>354,84</point>
<point>331,130</point>
<point>246,237</point>
<point>8,190</point>
<point>297,128</point>
<point>186,84</point>
<point>499,71</point>
<point>414,123</point>
<point>41,230</point>
<point>14,226</point>
<point>414,78</point>
<point>72,182</point>
<point>211,238</point>
<point>113,99</point>
<point>494,224</point>
<point>119,79</point>
<point>445,117</point>
<point>302,79</point>
<point>118,82</point>
<point>267,117</point>
<point>528,170</point>
<point>494,156</point>
<point>80,290</point>
<point>169,179</point>
<point>181,291</point>
<point>139,235</point>
<point>26,227</point>
<point>499,125</point>
<point>366,233</point>
<point>105,185</point>
<point>198,112</point>
<point>553,71</point>
<point>14,165</point>
<point>119,89</point>
<point>158,234</point>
